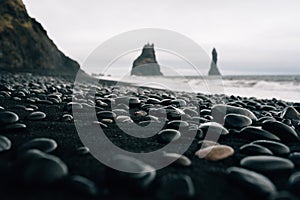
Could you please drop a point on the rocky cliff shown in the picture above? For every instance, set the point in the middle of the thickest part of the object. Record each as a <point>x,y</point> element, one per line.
<point>25,46</point>
<point>146,64</point>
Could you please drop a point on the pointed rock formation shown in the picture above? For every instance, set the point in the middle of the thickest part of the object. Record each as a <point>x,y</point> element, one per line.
<point>146,64</point>
<point>25,46</point>
<point>214,71</point>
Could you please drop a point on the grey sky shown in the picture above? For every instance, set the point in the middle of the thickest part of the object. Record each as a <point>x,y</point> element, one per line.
<point>253,37</point>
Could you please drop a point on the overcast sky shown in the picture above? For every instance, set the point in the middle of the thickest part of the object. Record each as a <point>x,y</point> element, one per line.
<point>252,37</point>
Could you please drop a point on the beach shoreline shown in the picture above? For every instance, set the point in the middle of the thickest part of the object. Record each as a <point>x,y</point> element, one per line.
<point>52,96</point>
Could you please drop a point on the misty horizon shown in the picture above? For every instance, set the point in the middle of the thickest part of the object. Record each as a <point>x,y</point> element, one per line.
<point>251,37</point>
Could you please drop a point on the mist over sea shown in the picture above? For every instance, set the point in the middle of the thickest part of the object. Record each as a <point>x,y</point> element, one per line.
<point>285,87</point>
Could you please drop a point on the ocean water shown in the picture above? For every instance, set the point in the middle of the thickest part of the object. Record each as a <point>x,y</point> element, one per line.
<point>285,87</point>
<point>281,87</point>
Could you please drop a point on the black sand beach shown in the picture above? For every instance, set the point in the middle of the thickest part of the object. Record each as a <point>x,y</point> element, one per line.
<point>20,179</point>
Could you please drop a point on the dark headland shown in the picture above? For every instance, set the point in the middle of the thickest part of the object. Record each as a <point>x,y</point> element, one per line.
<point>42,157</point>
<point>25,45</point>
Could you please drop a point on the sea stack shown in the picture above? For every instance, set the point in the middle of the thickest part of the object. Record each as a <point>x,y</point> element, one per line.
<point>25,45</point>
<point>214,71</point>
<point>146,64</point>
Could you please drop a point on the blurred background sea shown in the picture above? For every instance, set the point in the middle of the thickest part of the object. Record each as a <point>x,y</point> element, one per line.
<point>285,87</point>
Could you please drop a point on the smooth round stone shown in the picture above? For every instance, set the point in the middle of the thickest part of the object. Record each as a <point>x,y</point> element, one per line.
<point>283,195</point>
<point>79,185</point>
<point>153,101</point>
<point>276,147</point>
<point>108,101</point>
<point>122,100</point>
<point>287,122</point>
<point>295,158</point>
<point>101,104</point>
<point>55,100</point>
<point>186,117</point>
<point>73,106</point>
<point>45,102</point>
<point>29,109</point>
<point>262,119</point>
<point>255,149</point>
<point>191,112</point>
<point>22,107</point>
<point>177,124</point>
<point>290,113</point>
<point>281,130</point>
<point>17,98</point>
<point>5,87</point>
<point>67,118</point>
<point>100,123</point>
<point>267,108</point>
<point>43,144</point>
<point>38,115</point>
<point>145,123</point>
<point>251,181</point>
<point>135,175</point>
<point>168,135</point>
<point>173,186</point>
<point>153,118</point>
<point>219,111</point>
<point>204,112</point>
<point>207,143</point>
<point>134,102</point>
<point>107,121</point>
<point>252,133</point>
<point>5,143</point>
<point>5,94</point>
<point>237,121</point>
<point>14,127</point>
<point>174,114</point>
<point>121,112</point>
<point>124,119</point>
<point>215,153</point>
<point>106,115</point>
<point>83,150</point>
<point>166,102</point>
<point>178,102</point>
<point>33,107</point>
<point>267,164</point>
<point>213,128</point>
<point>160,113</point>
<point>31,100</point>
<point>20,94</point>
<point>294,183</point>
<point>7,117</point>
<point>181,160</point>
<point>24,157</point>
<point>199,120</point>
<point>44,170</point>
<point>141,113</point>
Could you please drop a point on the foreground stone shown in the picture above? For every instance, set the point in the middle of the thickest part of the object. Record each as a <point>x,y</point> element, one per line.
<point>219,111</point>
<point>173,186</point>
<point>267,164</point>
<point>215,153</point>
<point>253,182</point>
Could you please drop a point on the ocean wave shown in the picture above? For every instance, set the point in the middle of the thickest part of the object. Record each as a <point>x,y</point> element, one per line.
<point>267,85</point>
<point>285,88</point>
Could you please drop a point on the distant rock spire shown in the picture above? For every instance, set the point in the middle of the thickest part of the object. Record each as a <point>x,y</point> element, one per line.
<point>146,64</point>
<point>214,71</point>
<point>215,55</point>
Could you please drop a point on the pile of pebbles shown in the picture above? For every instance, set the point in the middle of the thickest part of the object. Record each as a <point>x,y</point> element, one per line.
<point>253,144</point>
